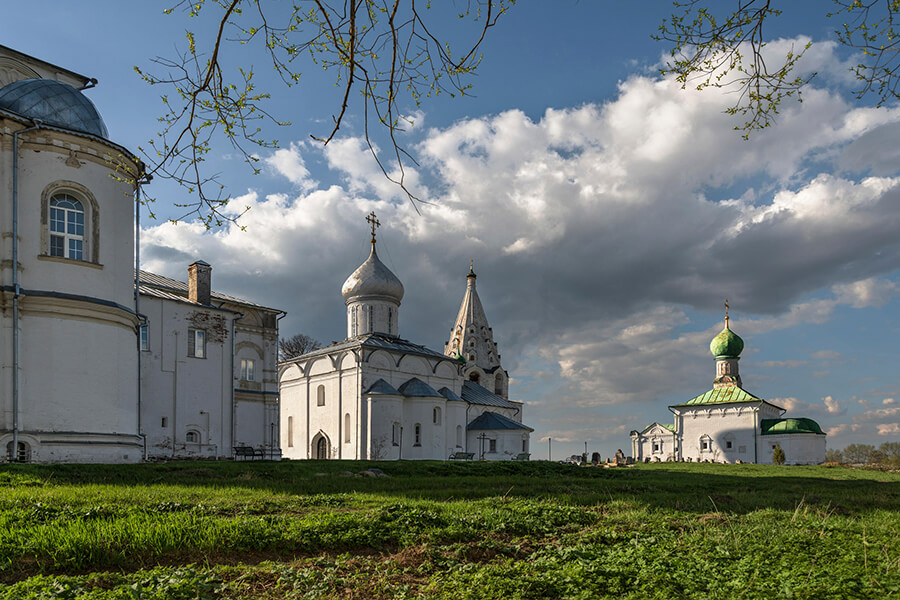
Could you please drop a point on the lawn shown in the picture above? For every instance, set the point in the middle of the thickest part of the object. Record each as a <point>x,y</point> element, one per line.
<point>197,530</point>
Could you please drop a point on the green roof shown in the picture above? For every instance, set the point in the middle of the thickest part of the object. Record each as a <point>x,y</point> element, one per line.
<point>669,427</point>
<point>779,426</point>
<point>724,395</point>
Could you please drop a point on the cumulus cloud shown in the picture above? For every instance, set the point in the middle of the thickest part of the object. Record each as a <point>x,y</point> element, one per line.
<point>888,401</point>
<point>888,428</point>
<point>603,234</point>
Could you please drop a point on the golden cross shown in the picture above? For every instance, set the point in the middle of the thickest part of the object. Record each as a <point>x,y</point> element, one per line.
<point>471,264</point>
<point>726,312</point>
<point>374,223</point>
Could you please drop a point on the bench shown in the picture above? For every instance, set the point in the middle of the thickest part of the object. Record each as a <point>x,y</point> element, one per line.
<point>462,456</point>
<point>522,456</point>
<point>247,452</point>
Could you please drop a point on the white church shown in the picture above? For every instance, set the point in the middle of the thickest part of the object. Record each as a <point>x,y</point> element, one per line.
<point>377,396</point>
<point>100,361</point>
<point>729,424</point>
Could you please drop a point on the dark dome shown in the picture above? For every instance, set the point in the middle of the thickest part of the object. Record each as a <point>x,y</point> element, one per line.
<point>53,103</point>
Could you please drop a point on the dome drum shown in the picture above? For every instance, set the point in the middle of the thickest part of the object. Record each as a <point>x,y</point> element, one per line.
<point>53,103</point>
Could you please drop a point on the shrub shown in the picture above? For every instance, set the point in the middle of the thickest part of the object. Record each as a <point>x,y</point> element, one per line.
<point>778,457</point>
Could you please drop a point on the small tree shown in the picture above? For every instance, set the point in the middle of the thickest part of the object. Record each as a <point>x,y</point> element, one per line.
<point>778,457</point>
<point>834,456</point>
<point>296,345</point>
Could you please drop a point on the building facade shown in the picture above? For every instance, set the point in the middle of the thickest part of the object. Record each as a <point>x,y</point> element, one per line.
<point>729,424</point>
<point>209,365</point>
<point>377,396</point>
<point>90,370</point>
<point>68,360</point>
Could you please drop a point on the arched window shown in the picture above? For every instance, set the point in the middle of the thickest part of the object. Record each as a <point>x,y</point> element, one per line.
<point>390,320</point>
<point>459,436</point>
<point>473,376</point>
<point>371,318</point>
<point>290,432</point>
<point>192,437</point>
<point>67,227</point>
<point>418,435</point>
<point>395,434</point>
<point>437,415</point>
<point>320,395</point>
<point>70,222</point>
<point>353,326</point>
<point>498,385</point>
<point>347,428</point>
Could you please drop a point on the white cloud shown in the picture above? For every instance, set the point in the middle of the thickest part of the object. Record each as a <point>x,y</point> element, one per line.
<point>888,401</point>
<point>888,428</point>
<point>599,233</point>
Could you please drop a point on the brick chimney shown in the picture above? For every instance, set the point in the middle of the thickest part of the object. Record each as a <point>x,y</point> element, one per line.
<point>199,288</point>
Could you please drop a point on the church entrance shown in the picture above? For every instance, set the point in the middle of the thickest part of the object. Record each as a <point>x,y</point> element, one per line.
<point>321,448</point>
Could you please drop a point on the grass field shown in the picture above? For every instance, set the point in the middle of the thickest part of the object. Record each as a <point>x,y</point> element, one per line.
<point>205,530</point>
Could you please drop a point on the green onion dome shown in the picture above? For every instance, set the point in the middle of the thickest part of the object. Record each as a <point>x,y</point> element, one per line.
<point>727,344</point>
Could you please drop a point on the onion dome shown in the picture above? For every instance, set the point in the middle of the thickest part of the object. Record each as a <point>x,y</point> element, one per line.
<point>372,278</point>
<point>727,344</point>
<point>54,103</point>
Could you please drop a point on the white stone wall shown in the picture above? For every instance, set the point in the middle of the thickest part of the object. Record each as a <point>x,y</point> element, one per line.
<point>799,448</point>
<point>182,393</point>
<point>736,424</point>
<point>77,342</point>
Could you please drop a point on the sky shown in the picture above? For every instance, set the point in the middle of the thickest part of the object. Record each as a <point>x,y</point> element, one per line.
<point>609,214</point>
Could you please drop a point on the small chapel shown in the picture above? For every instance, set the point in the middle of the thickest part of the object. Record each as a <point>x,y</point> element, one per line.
<point>377,396</point>
<point>728,424</point>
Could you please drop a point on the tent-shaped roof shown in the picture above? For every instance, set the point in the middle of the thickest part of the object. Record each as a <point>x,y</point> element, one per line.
<point>492,421</point>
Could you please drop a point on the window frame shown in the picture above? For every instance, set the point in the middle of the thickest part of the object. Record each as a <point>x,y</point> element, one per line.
<point>194,336</point>
<point>91,235</point>
<point>193,433</point>
<point>417,431</point>
<point>320,395</point>
<point>144,337</point>
<point>492,446</point>
<point>248,369</point>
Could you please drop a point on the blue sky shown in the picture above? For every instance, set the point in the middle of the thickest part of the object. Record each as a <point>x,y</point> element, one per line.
<point>609,214</point>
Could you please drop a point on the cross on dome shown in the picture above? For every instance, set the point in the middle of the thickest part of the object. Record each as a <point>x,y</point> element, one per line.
<point>374,222</point>
<point>726,313</point>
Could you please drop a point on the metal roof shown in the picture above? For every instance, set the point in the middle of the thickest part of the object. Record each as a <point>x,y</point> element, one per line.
<point>475,394</point>
<point>492,421</point>
<point>785,426</point>
<point>54,103</point>
<point>382,387</point>
<point>378,341</point>
<point>158,286</point>
<point>418,388</point>
<point>724,395</point>
<point>449,394</point>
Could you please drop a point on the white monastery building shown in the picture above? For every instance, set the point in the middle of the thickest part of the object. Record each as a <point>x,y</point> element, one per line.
<point>729,424</point>
<point>87,372</point>
<point>377,396</point>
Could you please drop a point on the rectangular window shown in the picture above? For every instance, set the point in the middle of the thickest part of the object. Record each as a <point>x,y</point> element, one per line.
<point>371,318</point>
<point>164,422</point>
<point>728,444</point>
<point>524,445</point>
<point>248,369</point>
<point>492,445</point>
<point>742,449</point>
<point>197,343</point>
<point>395,434</point>
<point>353,322</point>
<point>145,338</point>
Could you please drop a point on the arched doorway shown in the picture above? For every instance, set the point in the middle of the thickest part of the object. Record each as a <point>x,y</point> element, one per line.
<point>321,447</point>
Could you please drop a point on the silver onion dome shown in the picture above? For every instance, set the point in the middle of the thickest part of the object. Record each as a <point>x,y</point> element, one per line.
<point>372,278</point>
<point>53,103</point>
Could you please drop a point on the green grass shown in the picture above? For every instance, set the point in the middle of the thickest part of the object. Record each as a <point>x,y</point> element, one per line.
<point>447,530</point>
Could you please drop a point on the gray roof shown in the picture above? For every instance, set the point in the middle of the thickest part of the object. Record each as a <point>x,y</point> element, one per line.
<point>449,394</point>
<point>491,421</point>
<point>382,387</point>
<point>158,286</point>
<point>54,103</point>
<point>379,341</point>
<point>418,388</point>
<point>475,394</point>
